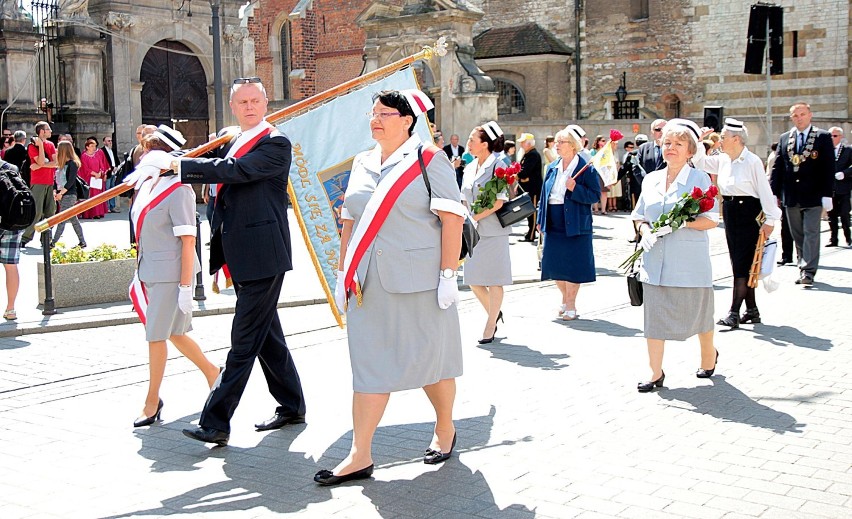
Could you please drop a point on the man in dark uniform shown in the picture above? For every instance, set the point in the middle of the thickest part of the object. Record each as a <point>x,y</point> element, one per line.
<point>251,236</point>
<point>650,154</point>
<point>530,177</point>
<point>803,178</point>
<point>454,151</point>
<point>842,188</point>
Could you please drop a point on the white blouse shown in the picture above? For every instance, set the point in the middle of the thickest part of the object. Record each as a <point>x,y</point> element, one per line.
<point>557,196</point>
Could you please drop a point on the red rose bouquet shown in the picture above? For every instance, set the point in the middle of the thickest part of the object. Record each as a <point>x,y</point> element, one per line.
<point>685,210</point>
<point>503,177</point>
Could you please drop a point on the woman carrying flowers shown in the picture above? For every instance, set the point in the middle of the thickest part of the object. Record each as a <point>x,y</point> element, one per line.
<point>674,211</point>
<point>565,220</point>
<point>485,186</point>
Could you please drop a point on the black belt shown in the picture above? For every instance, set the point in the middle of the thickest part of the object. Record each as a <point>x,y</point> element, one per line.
<point>740,198</point>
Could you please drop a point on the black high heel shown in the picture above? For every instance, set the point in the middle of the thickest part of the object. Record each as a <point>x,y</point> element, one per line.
<point>142,422</point>
<point>433,457</point>
<point>751,315</point>
<point>490,339</point>
<point>645,387</point>
<point>707,373</point>
<point>732,320</point>
<point>500,317</point>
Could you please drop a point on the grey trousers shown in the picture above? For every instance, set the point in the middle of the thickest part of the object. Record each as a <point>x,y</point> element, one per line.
<point>804,226</point>
<point>64,203</point>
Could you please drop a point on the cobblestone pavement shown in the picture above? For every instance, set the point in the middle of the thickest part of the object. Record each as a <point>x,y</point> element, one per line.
<point>549,421</point>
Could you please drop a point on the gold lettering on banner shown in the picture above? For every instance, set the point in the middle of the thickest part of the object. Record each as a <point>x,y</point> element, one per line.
<point>313,209</point>
<point>302,165</point>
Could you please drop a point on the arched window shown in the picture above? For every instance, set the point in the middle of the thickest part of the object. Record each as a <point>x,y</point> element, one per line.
<point>284,39</point>
<point>510,99</point>
<point>672,106</point>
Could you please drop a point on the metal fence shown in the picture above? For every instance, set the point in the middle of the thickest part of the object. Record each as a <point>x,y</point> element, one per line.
<point>50,73</point>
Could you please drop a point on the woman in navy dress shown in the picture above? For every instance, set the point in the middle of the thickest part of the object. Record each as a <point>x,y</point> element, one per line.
<point>565,216</point>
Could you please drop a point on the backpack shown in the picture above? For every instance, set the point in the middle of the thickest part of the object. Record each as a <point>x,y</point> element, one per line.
<point>17,205</point>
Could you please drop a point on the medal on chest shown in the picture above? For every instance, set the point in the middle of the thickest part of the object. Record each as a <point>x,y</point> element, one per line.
<point>808,153</point>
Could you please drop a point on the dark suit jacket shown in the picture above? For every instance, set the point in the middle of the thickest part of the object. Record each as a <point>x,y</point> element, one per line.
<point>530,174</point>
<point>843,163</point>
<point>250,230</point>
<point>647,158</point>
<point>448,149</point>
<point>16,155</point>
<point>813,181</point>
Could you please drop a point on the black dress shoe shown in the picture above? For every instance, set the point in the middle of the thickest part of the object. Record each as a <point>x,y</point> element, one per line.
<point>327,478</point>
<point>142,422</point>
<point>433,457</point>
<point>732,320</point>
<point>784,262</point>
<point>751,315</point>
<point>645,387</point>
<point>279,420</point>
<point>707,373</point>
<point>208,435</point>
<point>805,280</point>
<point>831,244</point>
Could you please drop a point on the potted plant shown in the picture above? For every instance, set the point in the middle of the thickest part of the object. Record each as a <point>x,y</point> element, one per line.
<point>81,277</point>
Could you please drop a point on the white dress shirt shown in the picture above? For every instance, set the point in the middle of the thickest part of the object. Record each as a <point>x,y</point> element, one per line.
<point>557,196</point>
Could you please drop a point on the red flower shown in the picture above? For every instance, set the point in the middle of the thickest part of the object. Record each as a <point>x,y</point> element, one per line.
<point>515,168</point>
<point>615,135</point>
<point>500,173</point>
<point>697,193</point>
<point>705,204</point>
<point>510,179</point>
<point>712,191</point>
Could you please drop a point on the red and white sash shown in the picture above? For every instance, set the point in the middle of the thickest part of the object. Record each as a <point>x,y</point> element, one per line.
<point>376,212</point>
<point>165,187</point>
<point>239,152</point>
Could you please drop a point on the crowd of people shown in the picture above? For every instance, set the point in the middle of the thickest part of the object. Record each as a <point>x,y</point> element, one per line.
<point>403,323</point>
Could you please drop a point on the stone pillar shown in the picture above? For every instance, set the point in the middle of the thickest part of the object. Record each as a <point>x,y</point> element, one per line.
<point>17,56</point>
<point>118,68</point>
<point>81,52</point>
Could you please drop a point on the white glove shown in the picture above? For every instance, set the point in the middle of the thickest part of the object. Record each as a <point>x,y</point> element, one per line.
<point>827,204</point>
<point>664,230</point>
<point>340,292</point>
<point>139,175</point>
<point>649,237</point>
<point>839,175</point>
<point>158,158</point>
<point>448,292</point>
<point>185,299</point>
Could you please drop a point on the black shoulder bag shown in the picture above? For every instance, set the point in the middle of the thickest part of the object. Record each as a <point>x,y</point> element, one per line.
<point>634,286</point>
<point>470,237</point>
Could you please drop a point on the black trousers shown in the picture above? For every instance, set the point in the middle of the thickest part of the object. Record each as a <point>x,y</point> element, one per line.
<point>255,333</point>
<point>840,211</point>
<point>786,238</point>
<point>532,220</point>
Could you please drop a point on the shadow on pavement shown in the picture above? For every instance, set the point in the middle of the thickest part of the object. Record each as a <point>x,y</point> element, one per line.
<point>524,356</point>
<point>727,403</point>
<point>13,344</point>
<point>269,475</point>
<point>824,287</point>
<point>789,336</point>
<point>600,326</point>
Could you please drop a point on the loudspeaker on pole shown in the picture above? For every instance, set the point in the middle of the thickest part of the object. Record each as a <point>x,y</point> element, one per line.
<point>713,117</point>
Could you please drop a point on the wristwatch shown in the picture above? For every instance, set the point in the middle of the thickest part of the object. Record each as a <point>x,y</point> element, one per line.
<point>448,273</point>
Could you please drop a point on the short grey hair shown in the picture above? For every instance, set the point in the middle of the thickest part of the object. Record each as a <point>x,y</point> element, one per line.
<point>20,136</point>
<point>567,135</point>
<point>237,86</point>
<point>742,134</point>
<point>832,129</point>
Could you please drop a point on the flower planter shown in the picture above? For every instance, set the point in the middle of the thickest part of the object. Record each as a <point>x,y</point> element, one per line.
<point>89,283</point>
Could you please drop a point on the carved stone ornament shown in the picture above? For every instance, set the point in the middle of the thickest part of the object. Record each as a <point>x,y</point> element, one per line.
<point>74,9</point>
<point>234,34</point>
<point>118,21</point>
<point>10,10</point>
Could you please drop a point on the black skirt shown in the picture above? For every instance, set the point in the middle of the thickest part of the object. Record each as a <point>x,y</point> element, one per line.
<point>741,231</point>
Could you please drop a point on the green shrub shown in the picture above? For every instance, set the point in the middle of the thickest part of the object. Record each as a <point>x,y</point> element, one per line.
<point>60,254</point>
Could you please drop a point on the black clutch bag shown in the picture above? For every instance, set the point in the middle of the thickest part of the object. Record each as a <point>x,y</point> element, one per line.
<point>515,210</point>
<point>634,288</point>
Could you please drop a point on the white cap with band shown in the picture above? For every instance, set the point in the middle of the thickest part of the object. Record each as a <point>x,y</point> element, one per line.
<point>417,100</point>
<point>171,137</point>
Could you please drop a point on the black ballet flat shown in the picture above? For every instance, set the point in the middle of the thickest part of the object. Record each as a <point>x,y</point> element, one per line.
<point>645,387</point>
<point>327,478</point>
<point>751,315</point>
<point>732,320</point>
<point>433,457</point>
<point>142,422</point>
<point>707,373</point>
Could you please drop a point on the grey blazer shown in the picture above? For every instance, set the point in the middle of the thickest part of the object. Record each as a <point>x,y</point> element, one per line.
<point>682,258</point>
<point>159,254</point>
<point>472,185</point>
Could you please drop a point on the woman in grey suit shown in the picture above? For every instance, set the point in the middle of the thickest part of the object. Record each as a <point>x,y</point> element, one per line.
<point>678,282</point>
<point>399,251</point>
<point>490,269</point>
<point>163,215</point>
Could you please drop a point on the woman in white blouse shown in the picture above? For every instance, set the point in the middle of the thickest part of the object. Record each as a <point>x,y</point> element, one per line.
<point>745,191</point>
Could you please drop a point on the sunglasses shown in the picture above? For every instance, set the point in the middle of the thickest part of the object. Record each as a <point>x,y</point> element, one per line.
<point>658,129</point>
<point>246,80</point>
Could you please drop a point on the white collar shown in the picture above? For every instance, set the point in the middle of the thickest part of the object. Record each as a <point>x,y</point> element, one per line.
<point>251,133</point>
<point>407,147</point>
<point>571,165</point>
<point>681,178</point>
<point>806,132</point>
<point>742,155</point>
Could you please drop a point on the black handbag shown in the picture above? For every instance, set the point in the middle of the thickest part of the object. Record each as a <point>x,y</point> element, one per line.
<point>470,236</point>
<point>82,189</point>
<point>515,210</point>
<point>634,286</point>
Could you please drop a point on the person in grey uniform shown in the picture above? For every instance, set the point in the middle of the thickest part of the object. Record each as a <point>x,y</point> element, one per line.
<point>490,268</point>
<point>163,216</point>
<point>403,315</point>
<point>678,281</point>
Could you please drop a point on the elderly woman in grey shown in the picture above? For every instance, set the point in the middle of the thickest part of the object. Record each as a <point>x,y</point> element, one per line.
<point>675,270</point>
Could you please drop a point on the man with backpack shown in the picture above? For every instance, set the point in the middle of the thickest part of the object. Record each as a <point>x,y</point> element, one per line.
<point>42,154</point>
<point>17,155</point>
<point>13,191</point>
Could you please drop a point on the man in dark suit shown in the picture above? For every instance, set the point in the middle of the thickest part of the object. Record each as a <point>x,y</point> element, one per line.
<point>530,177</point>
<point>803,177</point>
<point>17,155</point>
<point>842,188</point>
<point>650,154</point>
<point>454,151</point>
<point>251,236</point>
<point>106,148</point>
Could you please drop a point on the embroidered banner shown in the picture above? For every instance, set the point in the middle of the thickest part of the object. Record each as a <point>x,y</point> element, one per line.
<point>325,140</point>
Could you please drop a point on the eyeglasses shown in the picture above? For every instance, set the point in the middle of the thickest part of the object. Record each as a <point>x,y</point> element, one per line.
<point>560,141</point>
<point>245,80</point>
<point>381,115</point>
<point>7,135</point>
<point>836,136</point>
<point>658,129</point>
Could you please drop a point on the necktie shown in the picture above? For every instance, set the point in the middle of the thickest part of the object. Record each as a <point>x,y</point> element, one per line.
<point>656,154</point>
<point>801,142</point>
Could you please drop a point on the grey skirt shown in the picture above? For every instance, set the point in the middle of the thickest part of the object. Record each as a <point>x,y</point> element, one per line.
<point>677,313</point>
<point>491,264</point>
<point>164,318</point>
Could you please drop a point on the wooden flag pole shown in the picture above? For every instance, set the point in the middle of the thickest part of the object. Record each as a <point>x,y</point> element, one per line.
<point>440,49</point>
